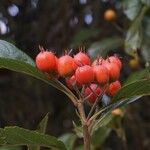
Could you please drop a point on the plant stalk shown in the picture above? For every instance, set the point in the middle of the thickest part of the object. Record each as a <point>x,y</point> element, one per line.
<point>85,126</point>
<point>87,138</point>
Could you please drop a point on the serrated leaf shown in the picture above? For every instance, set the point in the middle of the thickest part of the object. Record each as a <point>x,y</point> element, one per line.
<point>138,88</point>
<point>11,136</point>
<point>68,139</point>
<point>102,47</point>
<point>132,8</point>
<point>18,61</point>
<point>42,129</point>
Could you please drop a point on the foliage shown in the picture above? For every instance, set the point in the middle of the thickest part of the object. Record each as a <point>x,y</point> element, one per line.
<point>135,36</point>
<point>19,136</point>
<point>102,47</point>
<point>17,62</point>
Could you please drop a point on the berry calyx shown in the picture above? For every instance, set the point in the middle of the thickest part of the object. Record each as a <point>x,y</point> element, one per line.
<point>110,15</point>
<point>114,59</point>
<point>46,62</point>
<point>113,88</point>
<point>84,74</point>
<point>81,59</point>
<point>113,70</point>
<point>88,92</point>
<point>98,61</point>
<point>101,74</point>
<point>65,66</point>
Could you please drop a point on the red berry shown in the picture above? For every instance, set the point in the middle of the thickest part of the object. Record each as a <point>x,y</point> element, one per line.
<point>113,70</point>
<point>101,74</point>
<point>71,82</point>
<point>88,92</point>
<point>113,88</point>
<point>84,74</point>
<point>46,62</point>
<point>65,66</point>
<point>81,59</point>
<point>115,59</point>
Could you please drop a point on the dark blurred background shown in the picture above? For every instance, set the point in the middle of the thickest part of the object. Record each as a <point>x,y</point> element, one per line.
<point>62,25</point>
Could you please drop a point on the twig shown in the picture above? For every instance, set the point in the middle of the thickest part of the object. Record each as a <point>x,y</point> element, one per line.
<point>78,92</point>
<point>93,90</point>
<point>95,103</point>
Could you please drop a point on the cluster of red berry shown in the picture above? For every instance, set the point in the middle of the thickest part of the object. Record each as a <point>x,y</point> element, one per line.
<point>98,77</point>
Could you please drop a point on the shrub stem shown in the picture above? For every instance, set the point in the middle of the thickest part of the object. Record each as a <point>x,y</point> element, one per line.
<point>85,126</point>
<point>87,138</point>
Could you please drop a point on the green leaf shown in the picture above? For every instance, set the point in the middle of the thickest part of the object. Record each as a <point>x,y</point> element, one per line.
<point>9,51</point>
<point>43,124</point>
<point>104,112</point>
<point>83,35</point>
<point>108,119</point>
<point>138,88</point>
<point>69,140</point>
<point>138,75</point>
<point>146,2</point>
<point>126,95</point>
<point>17,61</point>
<point>104,46</point>
<point>42,129</point>
<point>100,136</point>
<point>22,67</point>
<point>11,136</point>
<point>133,38</point>
<point>103,122</point>
<point>78,130</point>
<point>132,8</point>
<point>134,35</point>
<point>146,26</point>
